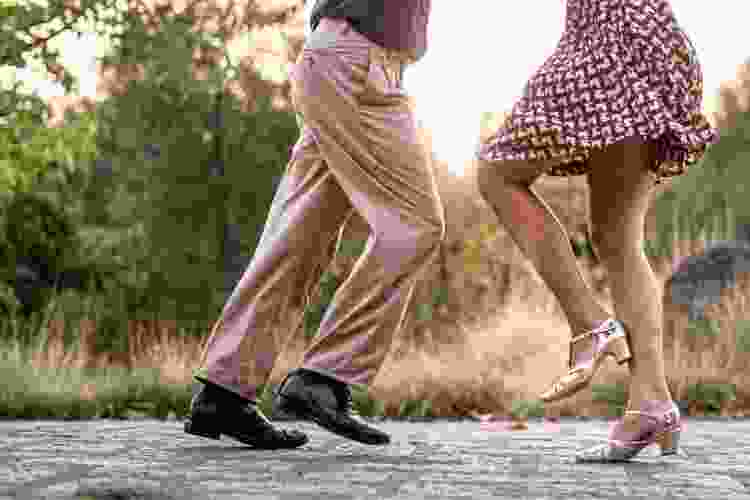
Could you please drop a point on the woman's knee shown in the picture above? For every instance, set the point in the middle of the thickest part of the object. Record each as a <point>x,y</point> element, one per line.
<point>494,176</point>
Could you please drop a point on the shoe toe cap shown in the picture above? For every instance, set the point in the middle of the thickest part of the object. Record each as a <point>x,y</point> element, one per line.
<point>295,437</point>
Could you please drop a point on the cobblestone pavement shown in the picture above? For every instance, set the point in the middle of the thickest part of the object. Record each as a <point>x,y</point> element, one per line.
<point>426,460</point>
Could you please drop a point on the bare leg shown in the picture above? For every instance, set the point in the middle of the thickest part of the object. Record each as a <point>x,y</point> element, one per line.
<point>620,195</point>
<point>541,237</point>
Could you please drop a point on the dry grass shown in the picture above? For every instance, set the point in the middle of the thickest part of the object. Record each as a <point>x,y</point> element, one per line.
<point>694,359</point>
<point>508,356</point>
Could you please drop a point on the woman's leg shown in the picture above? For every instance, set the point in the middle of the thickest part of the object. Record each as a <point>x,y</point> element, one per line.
<point>620,194</point>
<point>541,237</point>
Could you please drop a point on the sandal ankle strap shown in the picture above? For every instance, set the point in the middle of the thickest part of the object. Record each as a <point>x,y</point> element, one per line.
<point>654,415</point>
<point>643,413</point>
<point>612,326</point>
<point>589,333</point>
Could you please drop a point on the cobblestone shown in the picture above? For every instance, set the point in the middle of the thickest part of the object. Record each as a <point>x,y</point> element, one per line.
<point>151,460</point>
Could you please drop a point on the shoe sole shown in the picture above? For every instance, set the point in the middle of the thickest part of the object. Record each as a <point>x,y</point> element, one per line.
<point>199,430</point>
<point>583,385</point>
<point>559,396</point>
<point>303,410</point>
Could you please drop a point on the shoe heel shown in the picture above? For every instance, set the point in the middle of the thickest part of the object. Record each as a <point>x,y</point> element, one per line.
<point>618,347</point>
<point>201,428</point>
<point>669,442</point>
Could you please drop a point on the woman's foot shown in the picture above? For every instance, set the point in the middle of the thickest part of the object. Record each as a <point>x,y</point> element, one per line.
<point>608,339</point>
<point>657,422</point>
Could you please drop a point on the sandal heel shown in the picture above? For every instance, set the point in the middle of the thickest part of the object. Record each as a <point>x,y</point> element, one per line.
<point>580,375</point>
<point>201,428</point>
<point>669,442</point>
<point>619,349</point>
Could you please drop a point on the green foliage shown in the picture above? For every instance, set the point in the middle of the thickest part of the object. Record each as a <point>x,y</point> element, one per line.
<point>425,311</point>
<point>711,396</point>
<point>651,248</point>
<point>265,398</point>
<point>711,199</point>
<point>28,31</point>
<point>412,408</point>
<point>582,247</point>
<point>153,225</point>
<point>351,248</point>
<point>8,303</point>
<point>363,404</point>
<point>162,136</point>
<point>615,395</point>
<point>42,176</point>
<point>440,296</point>
<point>36,228</point>
<point>704,328</point>
<point>743,335</point>
<point>32,150</point>
<point>523,409</point>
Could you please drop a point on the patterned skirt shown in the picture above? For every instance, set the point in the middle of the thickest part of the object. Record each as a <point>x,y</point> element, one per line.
<point>622,68</point>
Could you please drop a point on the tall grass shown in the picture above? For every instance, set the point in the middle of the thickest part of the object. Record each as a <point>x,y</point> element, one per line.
<point>51,368</point>
<point>46,379</point>
<point>501,362</point>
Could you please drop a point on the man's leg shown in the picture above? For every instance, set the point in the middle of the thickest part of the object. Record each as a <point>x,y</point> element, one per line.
<point>366,130</point>
<point>302,225</point>
<point>305,216</point>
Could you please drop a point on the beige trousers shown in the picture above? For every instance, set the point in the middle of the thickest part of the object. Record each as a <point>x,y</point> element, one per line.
<point>359,150</point>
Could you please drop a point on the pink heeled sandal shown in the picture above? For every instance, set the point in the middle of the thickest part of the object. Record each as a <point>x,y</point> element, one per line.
<point>609,339</point>
<point>637,430</point>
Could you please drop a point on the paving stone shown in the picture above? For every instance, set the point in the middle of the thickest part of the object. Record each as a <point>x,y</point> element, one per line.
<point>152,460</point>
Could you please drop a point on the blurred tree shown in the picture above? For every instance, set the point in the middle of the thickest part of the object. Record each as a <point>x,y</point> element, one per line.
<point>27,32</point>
<point>711,201</point>
<point>160,130</point>
<point>148,186</point>
<point>31,152</point>
<point>249,32</point>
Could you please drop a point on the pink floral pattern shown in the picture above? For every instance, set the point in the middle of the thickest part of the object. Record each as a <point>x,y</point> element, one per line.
<point>622,68</point>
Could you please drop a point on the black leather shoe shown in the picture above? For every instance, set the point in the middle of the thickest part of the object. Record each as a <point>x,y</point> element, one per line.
<point>215,411</point>
<point>327,402</point>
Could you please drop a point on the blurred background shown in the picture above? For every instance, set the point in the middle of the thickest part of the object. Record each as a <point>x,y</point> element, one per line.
<point>140,147</point>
